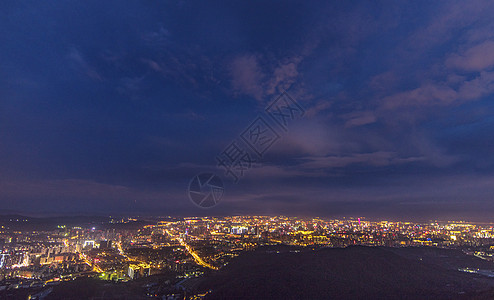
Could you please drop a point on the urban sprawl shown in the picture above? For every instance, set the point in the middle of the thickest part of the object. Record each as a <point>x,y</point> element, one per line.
<point>190,247</point>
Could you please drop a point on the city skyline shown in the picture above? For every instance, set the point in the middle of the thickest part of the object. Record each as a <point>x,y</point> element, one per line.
<point>114,108</point>
<point>191,258</point>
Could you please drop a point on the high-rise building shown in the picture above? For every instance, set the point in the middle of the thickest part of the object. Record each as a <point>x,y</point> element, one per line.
<point>105,244</point>
<point>138,270</point>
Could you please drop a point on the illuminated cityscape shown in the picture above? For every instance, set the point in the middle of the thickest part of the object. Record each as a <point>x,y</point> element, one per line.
<point>184,249</point>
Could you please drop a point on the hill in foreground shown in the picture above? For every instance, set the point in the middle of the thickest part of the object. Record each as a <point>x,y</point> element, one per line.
<point>351,273</point>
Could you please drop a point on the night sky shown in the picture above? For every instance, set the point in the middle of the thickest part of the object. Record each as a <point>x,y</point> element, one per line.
<point>112,107</point>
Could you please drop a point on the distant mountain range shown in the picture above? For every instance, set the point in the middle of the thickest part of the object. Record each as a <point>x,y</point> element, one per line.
<point>21,222</point>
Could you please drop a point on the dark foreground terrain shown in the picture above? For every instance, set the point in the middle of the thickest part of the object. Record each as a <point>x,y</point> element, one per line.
<point>351,273</point>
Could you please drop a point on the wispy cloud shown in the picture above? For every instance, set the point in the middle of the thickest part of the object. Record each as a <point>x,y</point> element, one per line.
<point>476,58</point>
<point>247,76</point>
<point>359,118</point>
<point>377,159</point>
<point>442,94</point>
<point>427,95</point>
<point>81,63</point>
<point>284,76</point>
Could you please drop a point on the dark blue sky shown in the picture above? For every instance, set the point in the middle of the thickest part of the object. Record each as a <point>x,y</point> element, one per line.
<point>113,106</point>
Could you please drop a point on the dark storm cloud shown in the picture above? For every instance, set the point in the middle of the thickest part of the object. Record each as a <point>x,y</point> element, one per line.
<point>114,106</point>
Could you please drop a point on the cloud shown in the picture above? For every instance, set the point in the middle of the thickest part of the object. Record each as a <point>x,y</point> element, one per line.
<point>430,151</point>
<point>429,94</point>
<point>283,77</point>
<point>319,106</point>
<point>423,198</point>
<point>360,118</point>
<point>445,23</point>
<point>247,76</point>
<point>477,58</point>
<point>478,87</point>
<point>131,87</point>
<point>81,63</point>
<point>308,137</point>
<point>274,172</point>
<point>64,188</point>
<point>439,94</point>
<point>160,37</point>
<point>152,64</point>
<point>379,158</point>
<point>188,115</point>
<point>383,81</point>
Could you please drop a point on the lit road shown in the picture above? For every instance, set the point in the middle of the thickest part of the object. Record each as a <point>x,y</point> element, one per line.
<point>95,266</point>
<point>191,251</point>
<point>195,256</point>
<point>83,256</point>
<point>120,250</point>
